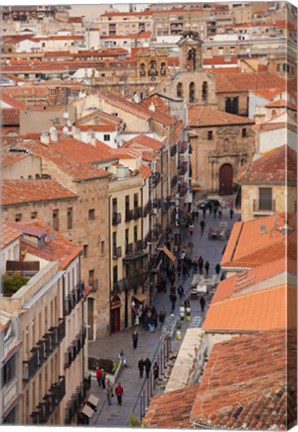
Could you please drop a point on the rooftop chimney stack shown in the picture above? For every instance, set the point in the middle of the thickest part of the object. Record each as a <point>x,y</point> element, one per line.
<point>45,138</point>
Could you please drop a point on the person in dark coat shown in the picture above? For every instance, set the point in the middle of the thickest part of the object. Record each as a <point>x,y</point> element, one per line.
<point>155,371</point>
<point>173,299</point>
<point>200,264</point>
<point>135,337</point>
<point>162,317</point>
<point>207,265</point>
<point>202,303</point>
<point>147,364</point>
<point>217,268</point>
<point>202,225</point>
<point>204,213</point>
<point>141,367</point>
<point>231,213</point>
<point>180,291</point>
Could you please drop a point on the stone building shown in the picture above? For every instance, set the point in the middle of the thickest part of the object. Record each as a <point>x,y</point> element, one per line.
<point>268,185</point>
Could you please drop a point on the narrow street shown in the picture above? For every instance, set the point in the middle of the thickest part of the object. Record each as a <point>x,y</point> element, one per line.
<point>117,416</point>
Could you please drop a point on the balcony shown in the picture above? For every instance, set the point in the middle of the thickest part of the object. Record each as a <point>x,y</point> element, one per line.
<point>133,281</point>
<point>129,249</point>
<point>116,219</point>
<point>43,350</point>
<point>183,146</point>
<point>75,347</point>
<point>137,213</point>
<point>51,401</point>
<point>139,246</point>
<point>264,206</point>
<point>73,298</point>
<point>117,286</point>
<point>117,252</point>
<point>174,181</point>
<point>173,150</point>
<point>147,208</point>
<point>183,168</point>
<point>154,179</point>
<point>128,215</point>
<point>77,399</point>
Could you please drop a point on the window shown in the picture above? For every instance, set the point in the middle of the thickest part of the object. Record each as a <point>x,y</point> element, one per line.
<point>135,200</point>
<point>8,370</point>
<point>69,218</point>
<point>210,135</point>
<point>85,251</point>
<point>244,133</point>
<point>91,277</point>
<point>192,92</point>
<point>18,217</point>
<point>278,67</point>
<point>273,113</point>
<point>91,214</point>
<point>102,247</point>
<point>265,199</point>
<point>204,91</point>
<point>115,273</point>
<point>106,137</point>
<point>126,203</point>
<point>179,90</point>
<point>33,215</point>
<point>56,219</point>
<point>135,234</point>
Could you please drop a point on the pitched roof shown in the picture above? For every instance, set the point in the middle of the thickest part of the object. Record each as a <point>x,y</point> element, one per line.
<point>259,310</point>
<point>8,158</point>
<point>199,116</point>
<point>158,102</point>
<point>10,117</point>
<point>13,103</point>
<point>279,165</point>
<point>244,82</point>
<point>23,191</point>
<point>145,171</point>
<point>243,387</point>
<point>8,234</point>
<point>268,93</point>
<point>281,103</point>
<point>145,141</point>
<point>58,248</point>
<point>249,247</point>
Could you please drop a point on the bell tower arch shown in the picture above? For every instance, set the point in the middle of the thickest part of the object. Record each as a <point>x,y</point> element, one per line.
<point>190,51</point>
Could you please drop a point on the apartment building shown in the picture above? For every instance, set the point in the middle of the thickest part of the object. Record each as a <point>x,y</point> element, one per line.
<point>47,299</point>
<point>124,23</point>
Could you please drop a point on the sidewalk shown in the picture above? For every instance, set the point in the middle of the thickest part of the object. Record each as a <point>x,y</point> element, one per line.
<point>115,416</point>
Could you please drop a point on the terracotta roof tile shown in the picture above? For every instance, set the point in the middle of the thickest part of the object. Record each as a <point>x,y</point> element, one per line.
<point>8,234</point>
<point>158,103</point>
<point>208,116</point>
<point>276,166</point>
<point>11,158</point>
<point>145,171</point>
<point>12,102</point>
<point>244,82</point>
<point>260,310</point>
<point>281,103</point>
<point>143,35</point>
<point>57,249</point>
<point>269,93</point>
<point>145,141</point>
<point>10,117</point>
<point>22,191</point>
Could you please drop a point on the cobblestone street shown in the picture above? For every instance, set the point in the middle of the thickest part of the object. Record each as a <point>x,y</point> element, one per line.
<point>113,416</point>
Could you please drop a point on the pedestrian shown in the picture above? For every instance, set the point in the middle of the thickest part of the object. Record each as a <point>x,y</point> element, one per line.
<point>109,391</point>
<point>204,213</point>
<point>231,213</point>
<point>103,378</point>
<point>135,337</point>
<point>207,265</point>
<point>155,372</point>
<point>141,367</point>
<point>190,228</point>
<point>202,225</point>
<point>147,364</point>
<point>200,264</point>
<point>180,291</point>
<point>99,376</point>
<point>122,358</point>
<point>162,317</point>
<point>220,213</point>
<point>173,289</point>
<point>202,303</point>
<point>217,268</point>
<point>173,299</point>
<point>197,215</point>
<point>119,393</point>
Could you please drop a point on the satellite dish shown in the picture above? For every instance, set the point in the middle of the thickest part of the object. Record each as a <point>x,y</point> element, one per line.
<point>65,130</point>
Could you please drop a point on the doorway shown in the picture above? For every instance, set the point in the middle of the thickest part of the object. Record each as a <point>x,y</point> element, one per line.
<point>115,314</point>
<point>226,180</point>
<point>90,318</point>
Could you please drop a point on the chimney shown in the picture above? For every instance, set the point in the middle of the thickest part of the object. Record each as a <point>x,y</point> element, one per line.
<point>45,138</point>
<point>53,135</point>
<point>152,107</point>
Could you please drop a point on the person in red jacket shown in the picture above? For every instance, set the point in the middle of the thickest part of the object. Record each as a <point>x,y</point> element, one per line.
<point>119,393</point>
<point>99,376</point>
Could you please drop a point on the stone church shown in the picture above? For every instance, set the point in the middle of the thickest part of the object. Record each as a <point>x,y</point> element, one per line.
<point>221,142</point>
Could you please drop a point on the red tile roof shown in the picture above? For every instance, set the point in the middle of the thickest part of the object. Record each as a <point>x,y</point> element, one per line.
<point>244,82</point>
<point>10,117</point>
<point>145,171</point>
<point>269,93</point>
<point>12,102</point>
<point>276,166</point>
<point>220,59</point>
<point>59,249</point>
<point>281,103</point>
<point>199,116</point>
<point>158,102</point>
<point>24,191</point>
<point>243,387</point>
<point>11,158</point>
<point>143,35</point>
<point>8,234</point>
<point>145,141</point>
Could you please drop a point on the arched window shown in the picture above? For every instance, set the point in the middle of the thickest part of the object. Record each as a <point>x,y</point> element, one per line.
<point>152,69</point>
<point>228,105</point>
<point>191,92</point>
<point>179,90</point>
<point>163,69</point>
<point>142,69</point>
<point>205,91</point>
<point>191,56</point>
<point>273,113</point>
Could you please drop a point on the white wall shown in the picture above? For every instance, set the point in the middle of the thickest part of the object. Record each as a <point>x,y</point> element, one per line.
<point>275,138</point>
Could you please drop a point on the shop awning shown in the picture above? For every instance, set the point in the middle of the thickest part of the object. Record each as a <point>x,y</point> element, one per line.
<point>88,411</point>
<point>169,254</point>
<point>93,400</point>
<point>141,297</point>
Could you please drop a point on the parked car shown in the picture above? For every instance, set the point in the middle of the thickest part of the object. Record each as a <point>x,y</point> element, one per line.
<point>208,204</point>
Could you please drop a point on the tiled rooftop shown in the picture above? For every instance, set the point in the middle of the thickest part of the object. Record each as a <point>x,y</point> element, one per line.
<point>208,116</point>
<point>10,117</point>
<point>281,103</point>
<point>22,191</point>
<point>145,171</point>
<point>243,387</point>
<point>8,158</point>
<point>244,82</point>
<point>58,248</point>
<point>276,166</point>
<point>145,141</point>
<point>8,234</point>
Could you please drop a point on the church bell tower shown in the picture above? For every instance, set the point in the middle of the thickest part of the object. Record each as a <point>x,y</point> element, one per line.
<point>190,52</point>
